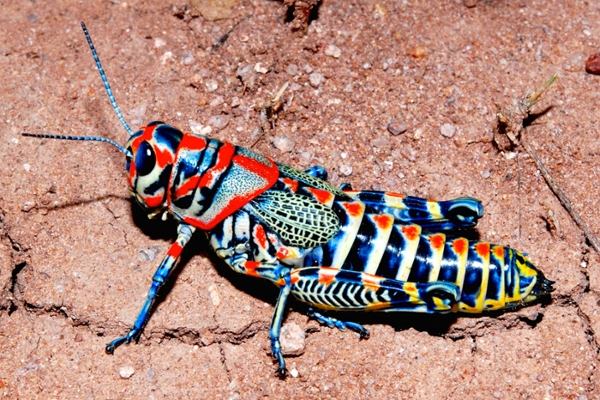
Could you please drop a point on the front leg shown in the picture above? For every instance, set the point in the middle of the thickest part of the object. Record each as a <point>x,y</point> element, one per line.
<point>184,233</point>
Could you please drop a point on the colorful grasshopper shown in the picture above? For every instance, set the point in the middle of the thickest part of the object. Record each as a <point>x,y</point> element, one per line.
<point>331,248</point>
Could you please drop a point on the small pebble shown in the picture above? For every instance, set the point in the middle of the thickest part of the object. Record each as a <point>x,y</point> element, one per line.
<point>211,85</point>
<point>215,298</point>
<point>188,58</point>
<point>292,70</point>
<point>158,42</point>
<point>396,127</point>
<point>294,373</point>
<point>149,254</point>
<point>199,129</point>
<point>316,79</point>
<point>380,142</point>
<point>418,51</point>
<point>28,206</point>
<point>574,63</point>
<point>126,372</point>
<point>592,65</point>
<point>470,3</point>
<point>283,142</point>
<point>485,174</point>
<point>366,65</point>
<point>27,167</point>
<point>346,170</point>
<point>333,51</point>
<point>196,80</point>
<point>293,339</point>
<point>447,130</point>
<point>218,121</point>
<point>168,56</point>
<point>260,69</point>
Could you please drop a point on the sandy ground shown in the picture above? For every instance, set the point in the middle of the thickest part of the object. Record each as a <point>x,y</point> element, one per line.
<point>76,256</point>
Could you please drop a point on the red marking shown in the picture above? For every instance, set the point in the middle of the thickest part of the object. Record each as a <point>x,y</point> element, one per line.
<point>223,161</point>
<point>327,275</point>
<point>411,232</point>
<point>153,202</point>
<point>251,267</point>
<point>148,132</point>
<point>269,173</point>
<point>394,194</point>
<point>482,249</point>
<point>187,187</point>
<point>291,183</point>
<point>460,246</point>
<point>498,251</point>
<point>354,209</point>
<point>383,221</point>
<point>370,282</point>
<point>260,235</point>
<point>322,196</point>
<point>191,142</point>
<point>175,250</point>
<point>294,277</point>
<point>282,253</point>
<point>163,157</point>
<point>437,241</point>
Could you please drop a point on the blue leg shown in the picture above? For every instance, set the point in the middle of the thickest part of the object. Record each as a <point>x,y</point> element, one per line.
<point>275,329</point>
<point>184,233</point>
<point>341,325</point>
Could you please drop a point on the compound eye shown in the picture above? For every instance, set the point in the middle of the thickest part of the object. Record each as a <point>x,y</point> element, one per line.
<point>145,159</point>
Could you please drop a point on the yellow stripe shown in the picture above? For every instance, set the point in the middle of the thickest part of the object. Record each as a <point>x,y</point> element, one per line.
<point>347,240</point>
<point>439,240</point>
<point>379,243</point>
<point>409,252</point>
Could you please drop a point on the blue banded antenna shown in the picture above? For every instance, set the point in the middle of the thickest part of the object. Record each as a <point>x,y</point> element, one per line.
<point>106,85</point>
<point>83,138</point>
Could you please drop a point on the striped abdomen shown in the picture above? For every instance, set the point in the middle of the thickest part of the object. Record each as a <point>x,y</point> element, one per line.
<point>489,277</point>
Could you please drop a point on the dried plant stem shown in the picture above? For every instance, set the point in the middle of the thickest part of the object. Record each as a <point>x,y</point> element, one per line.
<point>562,198</point>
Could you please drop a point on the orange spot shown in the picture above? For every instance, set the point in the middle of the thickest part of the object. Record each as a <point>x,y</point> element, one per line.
<point>383,221</point>
<point>327,275</point>
<point>394,194</point>
<point>411,232</point>
<point>498,251</point>
<point>437,241</point>
<point>294,277</point>
<point>282,252</point>
<point>371,282</point>
<point>261,237</point>
<point>291,183</point>
<point>322,196</point>
<point>354,209</point>
<point>460,246</point>
<point>251,267</point>
<point>482,249</point>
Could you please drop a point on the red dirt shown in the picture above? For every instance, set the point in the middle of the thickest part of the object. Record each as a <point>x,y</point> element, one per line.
<point>76,257</point>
